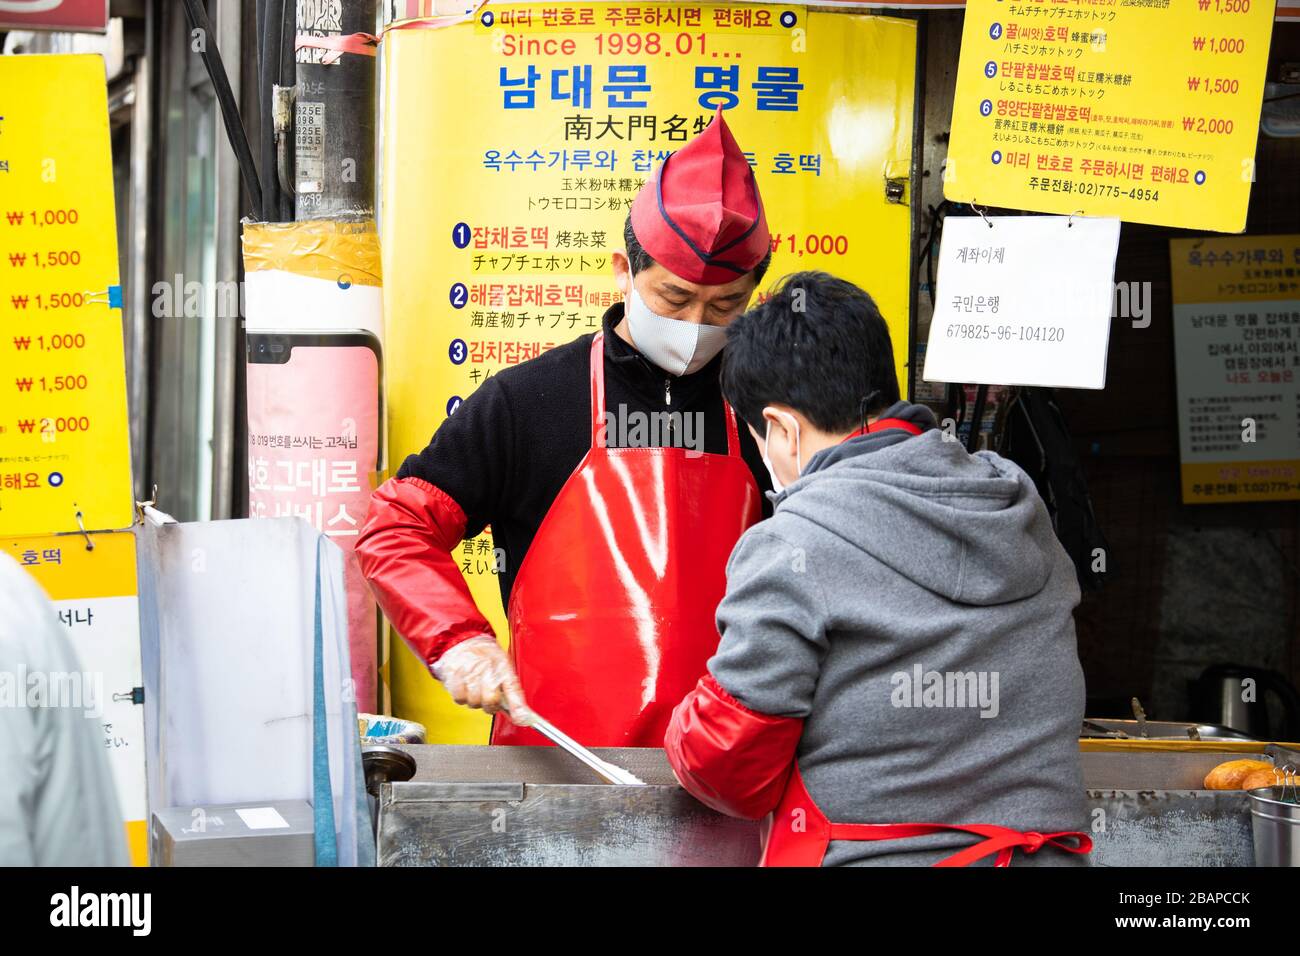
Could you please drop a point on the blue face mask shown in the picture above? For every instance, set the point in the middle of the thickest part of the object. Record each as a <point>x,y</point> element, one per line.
<point>675,345</point>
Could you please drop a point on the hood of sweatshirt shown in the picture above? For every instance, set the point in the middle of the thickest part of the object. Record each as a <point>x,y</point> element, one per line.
<point>968,527</point>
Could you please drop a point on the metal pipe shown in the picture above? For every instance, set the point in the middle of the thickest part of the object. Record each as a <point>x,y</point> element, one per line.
<point>138,291</point>
<point>227,274</point>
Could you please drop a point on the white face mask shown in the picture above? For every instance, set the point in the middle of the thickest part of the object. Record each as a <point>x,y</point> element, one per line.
<point>798,456</point>
<point>676,346</point>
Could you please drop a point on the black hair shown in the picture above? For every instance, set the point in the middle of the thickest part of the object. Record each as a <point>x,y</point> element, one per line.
<point>640,259</point>
<point>818,345</point>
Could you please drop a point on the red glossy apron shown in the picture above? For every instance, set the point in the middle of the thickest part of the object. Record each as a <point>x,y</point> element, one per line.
<point>797,834</point>
<point>612,613</point>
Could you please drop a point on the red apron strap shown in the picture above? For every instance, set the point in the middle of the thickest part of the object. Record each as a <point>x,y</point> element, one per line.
<point>999,840</point>
<point>733,430</point>
<point>598,437</point>
<point>805,842</point>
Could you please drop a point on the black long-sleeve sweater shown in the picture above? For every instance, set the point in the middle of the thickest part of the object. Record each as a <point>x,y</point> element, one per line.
<point>509,448</point>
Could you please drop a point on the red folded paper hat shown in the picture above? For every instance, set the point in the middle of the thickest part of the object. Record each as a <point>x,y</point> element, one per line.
<point>700,215</point>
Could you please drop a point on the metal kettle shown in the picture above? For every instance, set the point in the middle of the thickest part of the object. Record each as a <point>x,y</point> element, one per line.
<point>1217,696</point>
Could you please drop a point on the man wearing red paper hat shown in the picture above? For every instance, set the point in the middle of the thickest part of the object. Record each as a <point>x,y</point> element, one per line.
<point>614,478</point>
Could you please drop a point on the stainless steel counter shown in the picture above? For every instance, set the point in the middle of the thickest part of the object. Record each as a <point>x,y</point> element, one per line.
<point>536,806</point>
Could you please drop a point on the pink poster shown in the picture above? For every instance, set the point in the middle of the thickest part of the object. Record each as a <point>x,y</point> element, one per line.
<point>313,434</point>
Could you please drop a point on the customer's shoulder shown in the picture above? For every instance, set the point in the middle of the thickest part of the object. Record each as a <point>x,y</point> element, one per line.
<point>785,533</point>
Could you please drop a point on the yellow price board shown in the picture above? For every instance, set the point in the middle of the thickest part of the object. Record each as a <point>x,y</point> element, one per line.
<point>1237,351</point>
<point>1147,112</point>
<point>95,594</point>
<point>515,142</point>
<point>64,443</point>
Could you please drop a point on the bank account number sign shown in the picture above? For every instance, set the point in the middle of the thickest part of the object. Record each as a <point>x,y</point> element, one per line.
<point>64,448</point>
<point>1023,300</point>
<point>1146,112</point>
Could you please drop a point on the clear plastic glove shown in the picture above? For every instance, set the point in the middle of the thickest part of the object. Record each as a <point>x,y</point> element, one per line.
<point>478,673</point>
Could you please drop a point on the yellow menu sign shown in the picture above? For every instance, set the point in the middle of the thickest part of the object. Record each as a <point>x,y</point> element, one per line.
<point>1144,110</point>
<point>95,595</point>
<point>64,446</point>
<point>514,144</point>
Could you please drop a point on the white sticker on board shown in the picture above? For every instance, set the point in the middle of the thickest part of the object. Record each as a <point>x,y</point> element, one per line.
<point>262,818</point>
<point>1023,300</point>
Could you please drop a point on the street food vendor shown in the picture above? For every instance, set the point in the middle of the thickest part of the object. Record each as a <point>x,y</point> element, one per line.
<point>897,680</point>
<point>613,476</point>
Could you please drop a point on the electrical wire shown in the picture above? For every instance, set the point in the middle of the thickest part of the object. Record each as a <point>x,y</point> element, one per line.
<point>235,133</point>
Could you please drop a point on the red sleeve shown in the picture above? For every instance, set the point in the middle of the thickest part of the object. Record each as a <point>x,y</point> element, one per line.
<point>405,550</point>
<point>727,756</point>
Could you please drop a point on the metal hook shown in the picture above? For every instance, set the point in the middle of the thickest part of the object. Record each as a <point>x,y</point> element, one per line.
<point>980,213</point>
<point>141,505</point>
<point>1070,223</point>
<point>90,545</point>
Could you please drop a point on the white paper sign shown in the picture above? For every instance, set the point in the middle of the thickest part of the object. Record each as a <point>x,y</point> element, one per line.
<point>1023,300</point>
<point>262,818</point>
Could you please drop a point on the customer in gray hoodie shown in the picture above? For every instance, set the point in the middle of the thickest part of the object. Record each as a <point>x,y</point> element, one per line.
<point>897,640</point>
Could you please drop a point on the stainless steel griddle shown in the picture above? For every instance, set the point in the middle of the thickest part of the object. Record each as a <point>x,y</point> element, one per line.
<point>538,806</point>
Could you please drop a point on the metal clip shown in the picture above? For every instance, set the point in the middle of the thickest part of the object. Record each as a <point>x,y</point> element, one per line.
<point>980,213</point>
<point>1070,222</point>
<point>111,297</point>
<point>140,506</point>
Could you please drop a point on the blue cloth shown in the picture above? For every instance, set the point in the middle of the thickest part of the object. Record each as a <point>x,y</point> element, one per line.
<point>326,839</point>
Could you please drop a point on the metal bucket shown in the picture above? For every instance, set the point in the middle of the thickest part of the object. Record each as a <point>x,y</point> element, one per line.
<point>1275,823</point>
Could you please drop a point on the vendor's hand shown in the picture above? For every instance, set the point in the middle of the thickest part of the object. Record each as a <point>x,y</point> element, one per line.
<point>478,673</point>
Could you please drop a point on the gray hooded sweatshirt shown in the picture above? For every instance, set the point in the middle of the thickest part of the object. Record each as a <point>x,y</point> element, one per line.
<point>910,602</point>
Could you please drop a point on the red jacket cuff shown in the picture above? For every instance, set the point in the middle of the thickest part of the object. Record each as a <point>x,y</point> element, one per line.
<point>727,756</point>
<point>404,550</point>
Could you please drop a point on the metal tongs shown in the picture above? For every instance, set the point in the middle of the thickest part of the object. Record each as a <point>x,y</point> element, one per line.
<point>603,768</point>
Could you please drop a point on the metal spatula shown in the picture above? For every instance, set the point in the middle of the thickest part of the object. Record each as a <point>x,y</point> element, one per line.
<point>603,768</point>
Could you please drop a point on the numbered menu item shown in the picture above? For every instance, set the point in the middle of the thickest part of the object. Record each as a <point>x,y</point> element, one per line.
<point>1144,111</point>
<point>1237,353</point>
<point>64,449</point>
<point>1023,300</point>
<point>566,110</point>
